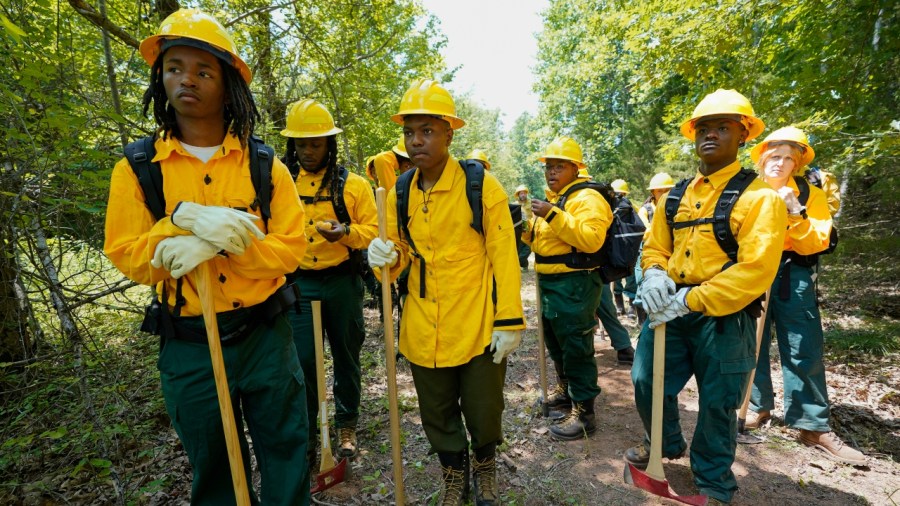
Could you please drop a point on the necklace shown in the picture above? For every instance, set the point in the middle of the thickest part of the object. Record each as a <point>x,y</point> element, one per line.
<point>426,197</point>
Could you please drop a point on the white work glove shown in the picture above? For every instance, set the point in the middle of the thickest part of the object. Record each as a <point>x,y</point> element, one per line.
<point>676,308</point>
<point>504,342</point>
<point>790,200</point>
<point>226,228</point>
<point>181,254</point>
<point>382,253</point>
<point>655,290</point>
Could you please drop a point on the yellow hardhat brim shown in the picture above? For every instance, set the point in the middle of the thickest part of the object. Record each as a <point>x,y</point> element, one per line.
<point>580,165</point>
<point>661,187</point>
<point>297,134</point>
<point>150,49</point>
<point>455,123</point>
<point>754,128</point>
<point>806,156</point>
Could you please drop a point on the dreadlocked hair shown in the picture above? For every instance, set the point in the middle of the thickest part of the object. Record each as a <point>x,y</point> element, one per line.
<point>329,179</point>
<point>241,113</point>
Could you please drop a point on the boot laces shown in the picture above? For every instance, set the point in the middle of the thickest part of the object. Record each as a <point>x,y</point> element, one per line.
<point>486,474</point>
<point>454,483</point>
<point>574,415</point>
<point>346,435</point>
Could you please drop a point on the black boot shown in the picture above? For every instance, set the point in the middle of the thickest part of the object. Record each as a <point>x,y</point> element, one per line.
<point>620,303</point>
<point>579,424</point>
<point>455,470</point>
<point>641,315</point>
<point>558,400</point>
<point>484,474</point>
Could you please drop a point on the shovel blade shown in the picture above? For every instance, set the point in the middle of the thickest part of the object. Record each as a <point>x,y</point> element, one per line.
<point>331,477</point>
<point>661,487</point>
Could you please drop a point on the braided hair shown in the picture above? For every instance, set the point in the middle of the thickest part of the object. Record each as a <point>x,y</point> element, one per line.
<point>241,113</point>
<point>329,179</point>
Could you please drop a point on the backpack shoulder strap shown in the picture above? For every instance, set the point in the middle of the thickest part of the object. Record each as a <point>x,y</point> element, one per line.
<point>402,187</point>
<point>673,200</point>
<point>722,215</point>
<point>140,155</point>
<point>261,159</point>
<point>474,170</point>
<point>340,205</point>
<point>803,186</point>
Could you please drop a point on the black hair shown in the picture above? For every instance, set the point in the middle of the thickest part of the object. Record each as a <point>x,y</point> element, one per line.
<point>241,113</point>
<point>330,163</point>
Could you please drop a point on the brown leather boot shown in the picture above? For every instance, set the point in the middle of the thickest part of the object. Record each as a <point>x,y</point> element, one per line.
<point>580,422</point>
<point>455,471</point>
<point>756,419</point>
<point>484,473</point>
<point>347,449</point>
<point>833,447</point>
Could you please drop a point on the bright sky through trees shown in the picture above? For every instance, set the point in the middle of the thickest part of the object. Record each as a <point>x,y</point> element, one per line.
<point>493,42</point>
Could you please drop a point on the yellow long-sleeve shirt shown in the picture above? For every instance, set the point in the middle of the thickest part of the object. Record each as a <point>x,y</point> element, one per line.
<point>582,225</point>
<point>808,236</point>
<point>832,191</point>
<point>132,233</point>
<point>384,169</point>
<point>360,204</point>
<point>454,321</point>
<point>758,220</point>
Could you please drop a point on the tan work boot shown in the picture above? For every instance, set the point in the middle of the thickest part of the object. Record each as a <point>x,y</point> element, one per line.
<point>347,448</point>
<point>755,419</point>
<point>579,423</point>
<point>834,448</point>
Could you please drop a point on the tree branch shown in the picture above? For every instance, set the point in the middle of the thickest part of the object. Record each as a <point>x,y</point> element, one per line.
<point>266,8</point>
<point>102,21</point>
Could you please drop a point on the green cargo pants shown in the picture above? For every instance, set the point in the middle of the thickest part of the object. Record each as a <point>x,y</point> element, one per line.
<point>798,328</point>
<point>606,312</point>
<point>447,394</point>
<point>721,363</point>
<point>345,329</point>
<point>568,302</point>
<point>267,390</point>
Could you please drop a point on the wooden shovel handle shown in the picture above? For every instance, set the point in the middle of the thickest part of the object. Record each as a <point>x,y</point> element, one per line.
<point>542,357</point>
<point>654,467</point>
<point>205,273</point>
<point>760,328</point>
<point>387,309</point>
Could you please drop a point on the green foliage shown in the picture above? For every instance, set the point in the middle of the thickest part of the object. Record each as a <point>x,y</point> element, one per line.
<point>877,337</point>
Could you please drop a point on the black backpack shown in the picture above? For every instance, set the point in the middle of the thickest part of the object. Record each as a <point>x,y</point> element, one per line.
<point>140,155</point>
<point>616,258</point>
<point>474,170</point>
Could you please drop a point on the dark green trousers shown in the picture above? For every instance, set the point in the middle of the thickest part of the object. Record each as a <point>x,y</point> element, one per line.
<point>345,330</point>
<point>447,394</point>
<point>568,302</point>
<point>606,311</point>
<point>721,362</point>
<point>267,390</point>
<point>798,328</point>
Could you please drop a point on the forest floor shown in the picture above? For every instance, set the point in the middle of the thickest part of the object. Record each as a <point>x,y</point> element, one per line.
<point>532,469</point>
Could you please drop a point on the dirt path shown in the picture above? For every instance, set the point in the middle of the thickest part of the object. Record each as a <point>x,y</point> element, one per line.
<point>536,470</point>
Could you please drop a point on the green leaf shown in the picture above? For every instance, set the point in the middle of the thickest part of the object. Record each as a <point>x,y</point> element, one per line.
<point>14,31</point>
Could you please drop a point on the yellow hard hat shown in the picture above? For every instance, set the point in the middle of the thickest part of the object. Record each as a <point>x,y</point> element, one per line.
<point>583,174</point>
<point>661,181</point>
<point>196,25</point>
<point>564,148</point>
<point>725,102</point>
<point>522,188</point>
<point>620,186</point>
<point>790,134</point>
<point>400,148</point>
<point>478,154</point>
<point>308,118</point>
<point>426,96</point>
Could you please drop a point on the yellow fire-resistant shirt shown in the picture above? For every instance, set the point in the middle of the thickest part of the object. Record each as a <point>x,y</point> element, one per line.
<point>758,220</point>
<point>454,322</point>
<point>384,169</point>
<point>807,236</point>
<point>582,225</point>
<point>360,204</point>
<point>132,233</point>
<point>832,192</point>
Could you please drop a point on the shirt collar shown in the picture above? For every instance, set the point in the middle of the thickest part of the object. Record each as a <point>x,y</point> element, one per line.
<point>165,147</point>
<point>720,177</point>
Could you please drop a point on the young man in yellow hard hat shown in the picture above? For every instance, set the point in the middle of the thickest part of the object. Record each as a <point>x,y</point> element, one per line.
<point>341,221</point>
<point>463,314</point>
<point>691,284</point>
<point>569,293</point>
<point>793,308</point>
<point>201,101</point>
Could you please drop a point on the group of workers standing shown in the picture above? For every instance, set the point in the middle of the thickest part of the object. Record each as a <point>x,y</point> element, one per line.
<point>463,315</point>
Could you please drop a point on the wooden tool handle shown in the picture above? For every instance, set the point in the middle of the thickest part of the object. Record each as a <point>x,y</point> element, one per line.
<point>542,357</point>
<point>326,463</point>
<point>760,328</point>
<point>654,467</point>
<point>206,279</point>
<point>389,355</point>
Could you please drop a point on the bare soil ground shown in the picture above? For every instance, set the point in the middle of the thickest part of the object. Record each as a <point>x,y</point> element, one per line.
<point>535,470</point>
